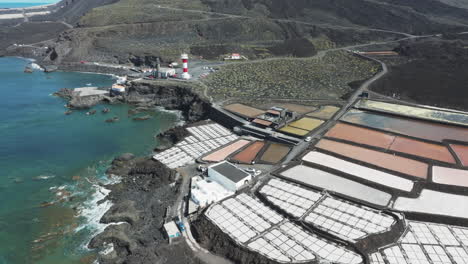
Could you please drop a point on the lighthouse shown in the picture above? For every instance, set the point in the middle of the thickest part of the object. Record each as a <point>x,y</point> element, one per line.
<point>185,74</point>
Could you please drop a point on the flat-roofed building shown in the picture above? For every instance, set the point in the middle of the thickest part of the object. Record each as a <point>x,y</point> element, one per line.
<point>172,230</point>
<point>207,191</point>
<point>229,175</point>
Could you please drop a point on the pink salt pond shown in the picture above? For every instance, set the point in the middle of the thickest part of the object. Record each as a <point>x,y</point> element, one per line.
<point>450,176</point>
<point>462,153</point>
<point>386,141</point>
<point>223,153</point>
<point>384,160</point>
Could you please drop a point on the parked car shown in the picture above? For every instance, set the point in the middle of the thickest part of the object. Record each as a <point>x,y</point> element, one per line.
<point>308,139</point>
<point>202,168</point>
<point>179,224</point>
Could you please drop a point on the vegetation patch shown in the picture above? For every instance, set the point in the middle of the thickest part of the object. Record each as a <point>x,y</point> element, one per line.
<point>325,78</point>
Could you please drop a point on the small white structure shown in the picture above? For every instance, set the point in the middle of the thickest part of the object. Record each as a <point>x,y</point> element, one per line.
<point>235,56</point>
<point>185,74</point>
<point>229,175</point>
<point>121,79</point>
<point>171,230</point>
<point>118,88</point>
<point>166,72</point>
<point>206,192</point>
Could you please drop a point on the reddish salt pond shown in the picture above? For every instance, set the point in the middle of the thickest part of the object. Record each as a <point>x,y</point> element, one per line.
<point>422,149</point>
<point>361,135</point>
<point>379,139</point>
<point>450,176</point>
<point>223,153</point>
<point>461,152</point>
<point>250,153</point>
<point>377,158</point>
<point>406,126</point>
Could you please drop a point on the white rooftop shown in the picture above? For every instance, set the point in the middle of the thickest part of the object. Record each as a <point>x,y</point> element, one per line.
<point>208,191</point>
<point>171,228</point>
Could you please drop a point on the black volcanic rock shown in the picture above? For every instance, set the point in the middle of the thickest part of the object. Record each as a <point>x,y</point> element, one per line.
<point>435,74</point>
<point>125,157</point>
<point>170,95</point>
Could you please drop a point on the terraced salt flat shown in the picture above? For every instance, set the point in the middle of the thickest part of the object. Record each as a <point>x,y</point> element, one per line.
<point>358,171</point>
<point>456,118</point>
<point>325,180</point>
<point>224,152</point>
<point>346,220</point>
<point>426,243</point>
<point>462,153</point>
<point>203,139</point>
<point>325,112</point>
<point>257,227</point>
<point>291,198</point>
<point>407,126</point>
<point>387,141</point>
<point>435,202</point>
<point>450,176</point>
<point>381,159</point>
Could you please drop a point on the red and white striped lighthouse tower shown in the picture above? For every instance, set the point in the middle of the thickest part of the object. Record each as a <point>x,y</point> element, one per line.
<point>185,74</point>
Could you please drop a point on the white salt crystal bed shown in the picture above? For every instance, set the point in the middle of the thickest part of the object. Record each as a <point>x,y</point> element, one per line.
<point>434,202</point>
<point>338,184</point>
<point>359,171</point>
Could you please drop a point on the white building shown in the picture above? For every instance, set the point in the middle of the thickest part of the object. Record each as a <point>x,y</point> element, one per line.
<point>172,230</point>
<point>228,175</point>
<point>167,72</point>
<point>206,192</point>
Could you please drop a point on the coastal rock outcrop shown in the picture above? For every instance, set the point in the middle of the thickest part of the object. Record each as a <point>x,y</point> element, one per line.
<point>75,101</point>
<point>85,102</point>
<point>170,95</point>
<point>140,200</point>
<point>171,137</point>
<point>124,211</point>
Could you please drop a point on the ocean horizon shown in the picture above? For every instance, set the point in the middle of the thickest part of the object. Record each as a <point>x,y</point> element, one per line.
<point>21,5</point>
<point>51,161</point>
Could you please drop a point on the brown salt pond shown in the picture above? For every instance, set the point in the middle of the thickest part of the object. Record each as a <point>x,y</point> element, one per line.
<point>379,139</point>
<point>275,153</point>
<point>360,135</point>
<point>244,110</point>
<point>406,126</point>
<point>249,154</point>
<point>384,160</point>
<point>422,149</point>
<point>450,176</point>
<point>462,153</point>
<point>223,153</point>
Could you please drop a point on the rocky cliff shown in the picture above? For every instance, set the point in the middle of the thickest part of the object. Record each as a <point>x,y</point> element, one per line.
<point>140,201</point>
<point>172,95</point>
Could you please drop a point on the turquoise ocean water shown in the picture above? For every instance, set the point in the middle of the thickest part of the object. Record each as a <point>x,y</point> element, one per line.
<point>46,155</point>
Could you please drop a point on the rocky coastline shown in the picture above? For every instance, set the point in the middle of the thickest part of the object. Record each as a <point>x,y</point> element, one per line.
<point>147,187</point>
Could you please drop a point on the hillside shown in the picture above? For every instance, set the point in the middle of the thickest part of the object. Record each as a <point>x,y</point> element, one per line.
<point>435,74</point>
<point>126,29</point>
